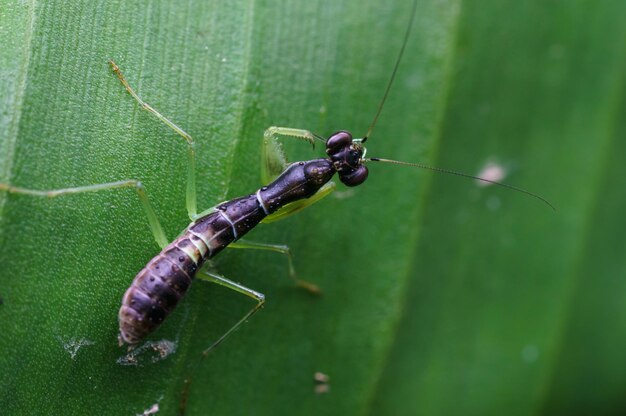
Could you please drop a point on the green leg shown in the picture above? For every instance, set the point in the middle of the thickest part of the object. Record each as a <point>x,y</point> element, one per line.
<point>274,160</point>
<point>312,288</point>
<point>274,163</point>
<point>155,225</point>
<point>191,168</point>
<point>220,280</point>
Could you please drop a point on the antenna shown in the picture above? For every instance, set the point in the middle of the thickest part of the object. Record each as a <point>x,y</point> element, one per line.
<point>393,73</point>
<point>465,175</point>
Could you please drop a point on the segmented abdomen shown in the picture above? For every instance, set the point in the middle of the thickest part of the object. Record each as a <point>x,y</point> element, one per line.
<point>159,286</point>
<point>164,281</point>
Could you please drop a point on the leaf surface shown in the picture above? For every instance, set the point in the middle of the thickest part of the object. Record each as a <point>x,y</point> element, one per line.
<point>440,296</point>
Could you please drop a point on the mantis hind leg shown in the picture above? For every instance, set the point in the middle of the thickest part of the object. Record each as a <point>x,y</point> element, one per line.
<point>155,225</point>
<point>222,281</point>
<point>282,249</point>
<point>191,198</point>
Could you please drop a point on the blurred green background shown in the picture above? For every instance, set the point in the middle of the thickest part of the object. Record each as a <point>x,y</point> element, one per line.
<point>441,297</point>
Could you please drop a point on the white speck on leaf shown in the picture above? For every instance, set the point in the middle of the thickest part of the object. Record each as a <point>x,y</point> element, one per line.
<point>157,351</point>
<point>72,345</point>
<point>493,172</point>
<point>152,410</point>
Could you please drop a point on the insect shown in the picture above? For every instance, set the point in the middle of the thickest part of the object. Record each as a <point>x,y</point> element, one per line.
<point>160,285</point>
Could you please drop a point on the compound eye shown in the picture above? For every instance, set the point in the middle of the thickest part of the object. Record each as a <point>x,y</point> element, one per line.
<point>355,178</point>
<point>337,141</point>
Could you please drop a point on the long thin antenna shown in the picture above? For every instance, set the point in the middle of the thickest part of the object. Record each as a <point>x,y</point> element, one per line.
<point>465,175</point>
<point>393,74</point>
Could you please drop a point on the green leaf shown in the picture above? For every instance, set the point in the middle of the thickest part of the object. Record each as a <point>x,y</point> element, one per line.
<point>440,296</point>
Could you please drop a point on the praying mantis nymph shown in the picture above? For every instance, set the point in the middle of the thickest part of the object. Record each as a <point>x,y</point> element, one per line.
<point>161,284</point>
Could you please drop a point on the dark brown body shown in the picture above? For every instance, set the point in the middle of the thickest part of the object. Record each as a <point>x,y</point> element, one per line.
<point>159,286</point>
